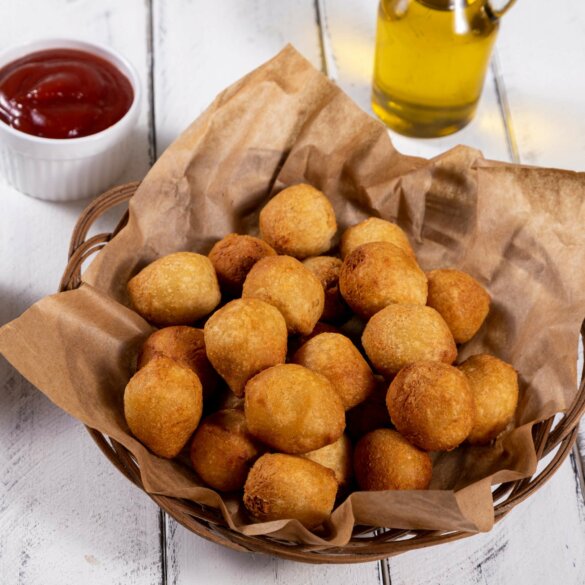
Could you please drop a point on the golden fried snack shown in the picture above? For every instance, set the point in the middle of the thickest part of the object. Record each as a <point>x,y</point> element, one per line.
<point>336,457</point>
<point>186,346</point>
<point>334,356</point>
<point>371,414</point>
<point>400,335</point>
<point>431,405</point>
<point>385,460</point>
<point>293,289</point>
<point>374,229</point>
<point>494,385</point>
<point>175,290</point>
<point>298,222</point>
<point>326,269</point>
<point>162,404</point>
<point>243,338</point>
<point>297,341</point>
<point>223,451</point>
<point>233,257</point>
<point>461,301</point>
<point>281,487</point>
<point>292,409</point>
<point>378,274</point>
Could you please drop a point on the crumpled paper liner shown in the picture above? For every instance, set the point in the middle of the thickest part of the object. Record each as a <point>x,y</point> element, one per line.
<point>518,230</point>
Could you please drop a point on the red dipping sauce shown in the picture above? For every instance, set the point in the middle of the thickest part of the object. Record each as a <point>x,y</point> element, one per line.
<point>63,93</point>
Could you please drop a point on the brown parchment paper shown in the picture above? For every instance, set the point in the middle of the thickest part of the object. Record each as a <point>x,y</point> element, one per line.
<point>518,230</point>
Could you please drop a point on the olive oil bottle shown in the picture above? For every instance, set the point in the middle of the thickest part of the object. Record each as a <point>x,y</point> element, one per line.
<point>430,64</point>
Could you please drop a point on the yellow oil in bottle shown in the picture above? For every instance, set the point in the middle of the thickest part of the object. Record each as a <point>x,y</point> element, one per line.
<point>430,65</point>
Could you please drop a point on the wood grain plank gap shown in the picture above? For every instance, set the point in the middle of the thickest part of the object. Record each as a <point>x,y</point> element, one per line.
<point>504,106</point>
<point>328,66</point>
<point>580,444</point>
<point>383,568</point>
<point>576,458</point>
<point>152,149</point>
<point>153,155</point>
<point>162,526</point>
<point>581,448</point>
<point>321,37</point>
<point>385,572</point>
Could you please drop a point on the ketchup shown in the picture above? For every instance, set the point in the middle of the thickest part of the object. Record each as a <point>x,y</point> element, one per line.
<point>63,93</point>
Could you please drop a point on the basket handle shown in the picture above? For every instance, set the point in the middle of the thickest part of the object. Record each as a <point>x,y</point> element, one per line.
<point>80,248</point>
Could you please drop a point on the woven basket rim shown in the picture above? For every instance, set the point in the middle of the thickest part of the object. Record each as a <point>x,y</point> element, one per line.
<point>367,543</point>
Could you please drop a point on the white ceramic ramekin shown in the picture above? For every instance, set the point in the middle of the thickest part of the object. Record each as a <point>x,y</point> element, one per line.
<point>69,168</point>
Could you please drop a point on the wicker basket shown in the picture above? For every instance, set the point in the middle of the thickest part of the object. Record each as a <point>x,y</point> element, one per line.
<point>367,543</point>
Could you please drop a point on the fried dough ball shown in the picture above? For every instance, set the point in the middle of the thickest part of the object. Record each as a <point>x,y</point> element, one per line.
<point>371,414</point>
<point>298,222</point>
<point>336,457</point>
<point>184,345</point>
<point>293,289</point>
<point>461,301</point>
<point>297,341</point>
<point>385,460</point>
<point>374,229</point>
<point>223,451</point>
<point>378,274</point>
<point>163,402</point>
<point>494,385</point>
<point>281,487</point>
<point>334,356</point>
<point>175,290</point>
<point>233,257</point>
<point>431,405</point>
<point>326,269</point>
<point>400,335</point>
<point>243,338</point>
<point>292,409</point>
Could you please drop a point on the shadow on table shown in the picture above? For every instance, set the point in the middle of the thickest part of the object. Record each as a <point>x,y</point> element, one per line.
<point>13,303</point>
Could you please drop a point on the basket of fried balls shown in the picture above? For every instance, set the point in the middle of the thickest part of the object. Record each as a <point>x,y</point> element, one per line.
<point>318,405</point>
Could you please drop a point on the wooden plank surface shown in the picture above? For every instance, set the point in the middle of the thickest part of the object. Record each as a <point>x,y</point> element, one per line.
<point>540,542</point>
<point>541,52</point>
<point>192,560</point>
<point>66,514</point>
<point>202,47</point>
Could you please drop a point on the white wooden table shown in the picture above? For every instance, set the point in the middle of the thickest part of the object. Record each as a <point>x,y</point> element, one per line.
<point>66,515</point>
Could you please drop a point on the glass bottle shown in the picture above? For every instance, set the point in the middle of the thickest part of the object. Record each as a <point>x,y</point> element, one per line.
<point>430,64</point>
